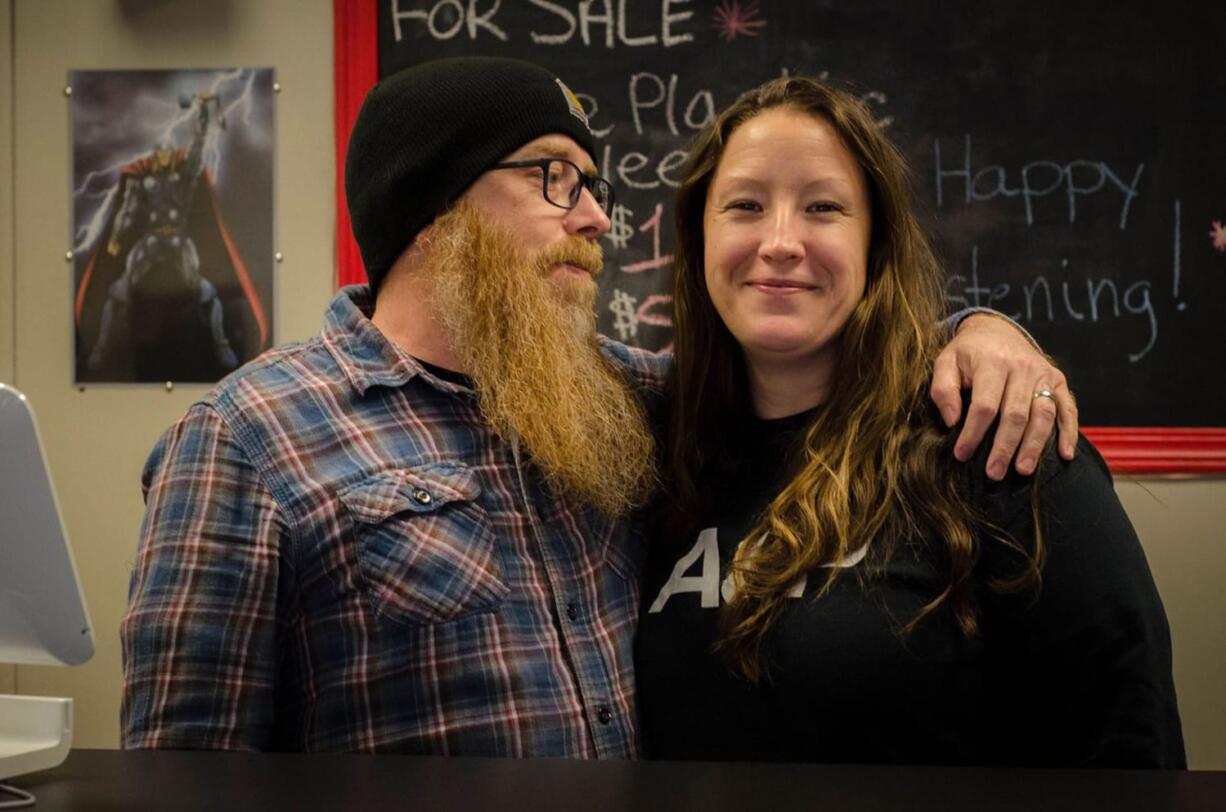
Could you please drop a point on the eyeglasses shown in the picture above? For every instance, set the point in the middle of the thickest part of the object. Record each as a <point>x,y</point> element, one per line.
<point>562,183</point>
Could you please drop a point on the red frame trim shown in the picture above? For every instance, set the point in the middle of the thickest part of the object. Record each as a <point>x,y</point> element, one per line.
<point>1155,450</point>
<point>356,69</point>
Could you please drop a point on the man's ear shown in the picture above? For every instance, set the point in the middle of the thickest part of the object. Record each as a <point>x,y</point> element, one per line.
<point>404,269</point>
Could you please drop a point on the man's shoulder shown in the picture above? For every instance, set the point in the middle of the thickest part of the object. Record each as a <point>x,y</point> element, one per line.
<point>282,373</point>
<point>649,368</point>
<point>259,408</point>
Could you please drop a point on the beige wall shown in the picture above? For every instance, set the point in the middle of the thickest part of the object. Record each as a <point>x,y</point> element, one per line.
<point>6,190</point>
<point>98,438</point>
<point>1182,525</point>
<point>7,673</point>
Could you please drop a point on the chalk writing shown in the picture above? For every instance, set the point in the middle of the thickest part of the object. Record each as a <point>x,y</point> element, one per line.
<point>602,22</point>
<point>592,108</point>
<point>627,170</point>
<point>620,231</point>
<point>657,310</point>
<point>1100,300</point>
<point>1177,262</point>
<point>648,91</point>
<point>657,259</point>
<point>625,319</point>
<point>446,18</point>
<point>613,23</point>
<point>1218,235</point>
<point>877,97</point>
<point>733,20</point>
<point>1036,179</point>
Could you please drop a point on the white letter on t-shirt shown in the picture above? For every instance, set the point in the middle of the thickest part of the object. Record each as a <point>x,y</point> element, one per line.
<point>707,584</point>
<point>728,587</point>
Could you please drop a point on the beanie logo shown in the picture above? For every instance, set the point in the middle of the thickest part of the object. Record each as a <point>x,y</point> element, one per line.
<point>572,102</point>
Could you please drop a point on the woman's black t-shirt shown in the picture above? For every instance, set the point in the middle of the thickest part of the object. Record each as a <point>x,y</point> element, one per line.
<point>1079,675</point>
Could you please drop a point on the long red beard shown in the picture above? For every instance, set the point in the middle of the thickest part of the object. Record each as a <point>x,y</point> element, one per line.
<point>530,346</point>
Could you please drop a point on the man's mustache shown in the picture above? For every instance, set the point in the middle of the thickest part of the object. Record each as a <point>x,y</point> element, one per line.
<point>577,251</point>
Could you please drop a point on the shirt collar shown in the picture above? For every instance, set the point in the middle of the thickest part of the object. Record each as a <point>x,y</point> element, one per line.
<point>364,354</point>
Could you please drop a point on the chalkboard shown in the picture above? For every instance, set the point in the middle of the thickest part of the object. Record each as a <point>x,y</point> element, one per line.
<point>1069,157</point>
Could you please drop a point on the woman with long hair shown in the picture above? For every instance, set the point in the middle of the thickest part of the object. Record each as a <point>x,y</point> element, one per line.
<point>829,583</point>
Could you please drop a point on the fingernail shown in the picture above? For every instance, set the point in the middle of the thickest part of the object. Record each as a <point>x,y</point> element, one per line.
<point>950,415</point>
<point>1025,465</point>
<point>996,470</point>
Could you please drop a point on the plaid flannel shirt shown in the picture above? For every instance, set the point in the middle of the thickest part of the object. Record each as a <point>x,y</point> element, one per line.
<point>339,554</point>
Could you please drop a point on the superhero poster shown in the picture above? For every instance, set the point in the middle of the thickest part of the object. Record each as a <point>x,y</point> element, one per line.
<point>172,200</point>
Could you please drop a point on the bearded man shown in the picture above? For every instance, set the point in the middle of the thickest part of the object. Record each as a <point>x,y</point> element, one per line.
<point>416,532</point>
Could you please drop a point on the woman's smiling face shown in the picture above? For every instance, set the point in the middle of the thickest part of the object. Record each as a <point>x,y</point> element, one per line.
<point>786,225</point>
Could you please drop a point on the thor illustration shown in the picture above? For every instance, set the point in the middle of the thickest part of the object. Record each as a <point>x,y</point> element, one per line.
<point>165,295</point>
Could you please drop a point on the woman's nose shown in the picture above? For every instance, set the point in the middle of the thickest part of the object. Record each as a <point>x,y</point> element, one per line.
<point>781,243</point>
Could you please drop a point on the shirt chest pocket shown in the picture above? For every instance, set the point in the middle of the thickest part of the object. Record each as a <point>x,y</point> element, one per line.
<point>425,549</point>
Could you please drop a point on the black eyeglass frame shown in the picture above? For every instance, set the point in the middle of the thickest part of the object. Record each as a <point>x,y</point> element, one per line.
<point>586,181</point>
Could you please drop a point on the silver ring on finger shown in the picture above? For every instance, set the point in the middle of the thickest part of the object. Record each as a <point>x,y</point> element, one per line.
<point>1044,393</point>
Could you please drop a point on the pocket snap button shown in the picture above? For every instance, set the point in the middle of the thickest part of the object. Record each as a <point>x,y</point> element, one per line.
<point>422,497</point>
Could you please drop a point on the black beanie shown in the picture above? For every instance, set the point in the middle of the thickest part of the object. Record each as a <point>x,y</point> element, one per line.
<point>426,133</point>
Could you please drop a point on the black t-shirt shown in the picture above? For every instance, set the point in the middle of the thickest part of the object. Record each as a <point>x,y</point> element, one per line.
<point>1080,675</point>
<point>445,374</point>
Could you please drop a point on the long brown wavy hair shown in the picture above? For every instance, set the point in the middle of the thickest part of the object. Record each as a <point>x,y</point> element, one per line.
<point>875,465</point>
